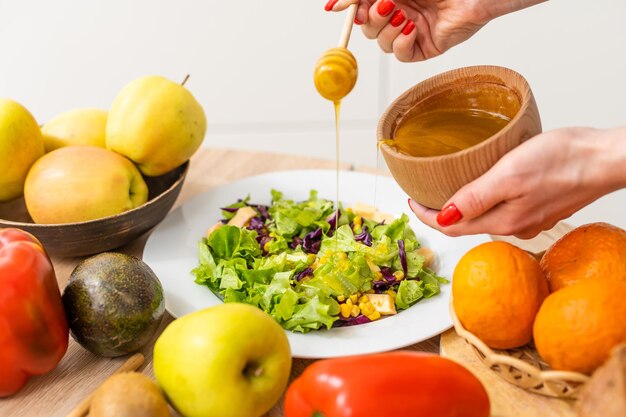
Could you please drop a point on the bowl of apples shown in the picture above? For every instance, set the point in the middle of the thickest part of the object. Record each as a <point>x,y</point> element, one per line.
<point>91,180</point>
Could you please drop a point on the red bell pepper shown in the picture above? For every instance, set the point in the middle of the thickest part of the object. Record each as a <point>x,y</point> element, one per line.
<point>395,384</point>
<point>33,327</point>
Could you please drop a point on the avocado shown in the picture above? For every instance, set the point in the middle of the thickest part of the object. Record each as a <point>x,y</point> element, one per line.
<point>114,304</point>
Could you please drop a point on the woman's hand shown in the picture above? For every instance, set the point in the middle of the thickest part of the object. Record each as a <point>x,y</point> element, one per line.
<point>531,188</point>
<point>416,30</point>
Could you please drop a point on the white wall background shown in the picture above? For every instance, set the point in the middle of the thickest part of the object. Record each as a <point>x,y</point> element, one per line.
<point>251,64</point>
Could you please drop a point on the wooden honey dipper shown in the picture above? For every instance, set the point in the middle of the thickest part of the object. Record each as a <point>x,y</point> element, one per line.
<point>336,71</point>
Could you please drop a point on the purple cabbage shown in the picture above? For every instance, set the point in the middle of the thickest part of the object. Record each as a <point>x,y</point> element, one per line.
<point>263,239</point>
<point>332,220</point>
<point>388,274</point>
<point>364,237</point>
<point>263,211</point>
<point>351,321</point>
<point>256,224</point>
<point>402,253</point>
<point>296,241</point>
<point>312,241</point>
<point>230,209</point>
<point>308,272</point>
<point>380,286</point>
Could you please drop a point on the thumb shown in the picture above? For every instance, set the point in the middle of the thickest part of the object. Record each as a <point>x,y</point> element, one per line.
<point>472,200</point>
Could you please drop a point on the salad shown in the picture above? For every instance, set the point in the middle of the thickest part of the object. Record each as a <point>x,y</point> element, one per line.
<point>310,266</point>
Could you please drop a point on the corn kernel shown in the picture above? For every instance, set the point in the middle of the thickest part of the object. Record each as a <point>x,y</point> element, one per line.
<point>349,302</point>
<point>266,247</point>
<point>391,293</point>
<point>374,316</point>
<point>354,298</point>
<point>355,311</point>
<point>399,275</point>
<point>363,299</point>
<point>378,275</point>
<point>341,298</point>
<point>344,309</point>
<point>368,309</point>
<point>358,221</point>
<point>343,255</point>
<point>370,292</point>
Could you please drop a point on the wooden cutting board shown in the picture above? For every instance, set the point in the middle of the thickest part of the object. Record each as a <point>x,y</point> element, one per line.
<point>507,400</point>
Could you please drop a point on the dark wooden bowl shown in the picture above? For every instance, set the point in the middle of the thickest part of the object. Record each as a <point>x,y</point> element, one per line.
<point>95,236</point>
<point>431,181</point>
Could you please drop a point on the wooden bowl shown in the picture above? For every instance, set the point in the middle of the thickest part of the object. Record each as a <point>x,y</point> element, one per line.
<point>431,181</point>
<point>95,236</point>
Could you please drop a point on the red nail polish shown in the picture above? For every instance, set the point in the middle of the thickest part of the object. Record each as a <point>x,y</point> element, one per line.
<point>408,28</point>
<point>385,7</point>
<point>397,18</point>
<point>357,21</point>
<point>329,6</point>
<point>449,215</point>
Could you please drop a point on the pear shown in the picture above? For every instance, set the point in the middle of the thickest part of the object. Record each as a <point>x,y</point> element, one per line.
<point>156,123</point>
<point>21,145</point>
<point>75,127</point>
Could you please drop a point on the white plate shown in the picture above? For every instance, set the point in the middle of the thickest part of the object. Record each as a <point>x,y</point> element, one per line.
<point>171,251</point>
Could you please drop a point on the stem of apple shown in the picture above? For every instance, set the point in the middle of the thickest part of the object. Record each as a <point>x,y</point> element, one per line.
<point>185,80</point>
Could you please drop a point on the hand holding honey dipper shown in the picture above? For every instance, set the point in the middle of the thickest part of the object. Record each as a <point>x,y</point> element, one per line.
<point>544,180</point>
<point>416,30</point>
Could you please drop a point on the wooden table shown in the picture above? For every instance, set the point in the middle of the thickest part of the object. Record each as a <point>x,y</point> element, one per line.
<point>80,372</point>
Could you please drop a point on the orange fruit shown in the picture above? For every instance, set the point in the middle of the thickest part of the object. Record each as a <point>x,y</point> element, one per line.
<point>497,289</point>
<point>577,327</point>
<point>593,250</point>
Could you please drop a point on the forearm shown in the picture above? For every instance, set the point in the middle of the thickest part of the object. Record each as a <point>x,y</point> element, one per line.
<point>490,9</point>
<point>610,158</point>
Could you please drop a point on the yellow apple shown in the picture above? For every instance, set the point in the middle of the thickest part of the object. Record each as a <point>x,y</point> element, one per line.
<point>231,360</point>
<point>156,123</point>
<point>75,127</point>
<point>21,145</point>
<point>80,183</point>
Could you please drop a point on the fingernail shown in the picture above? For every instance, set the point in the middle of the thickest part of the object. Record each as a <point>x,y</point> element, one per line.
<point>329,6</point>
<point>449,215</point>
<point>397,18</point>
<point>385,7</point>
<point>408,28</point>
<point>357,21</point>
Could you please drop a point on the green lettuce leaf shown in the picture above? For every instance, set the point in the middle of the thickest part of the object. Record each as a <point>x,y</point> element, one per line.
<point>409,292</point>
<point>311,315</point>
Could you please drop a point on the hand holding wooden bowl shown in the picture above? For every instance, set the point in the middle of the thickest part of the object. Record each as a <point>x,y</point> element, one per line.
<point>433,180</point>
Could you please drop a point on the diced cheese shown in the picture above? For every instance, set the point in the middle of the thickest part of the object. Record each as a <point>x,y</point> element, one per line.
<point>213,228</point>
<point>364,210</point>
<point>428,254</point>
<point>384,303</point>
<point>380,217</point>
<point>242,217</point>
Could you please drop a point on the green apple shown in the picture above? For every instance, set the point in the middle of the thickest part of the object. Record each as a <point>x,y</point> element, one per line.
<point>156,123</point>
<point>75,127</point>
<point>21,145</point>
<point>80,183</point>
<point>231,360</point>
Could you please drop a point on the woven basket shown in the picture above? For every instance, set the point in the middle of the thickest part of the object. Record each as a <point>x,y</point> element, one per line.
<point>523,367</point>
